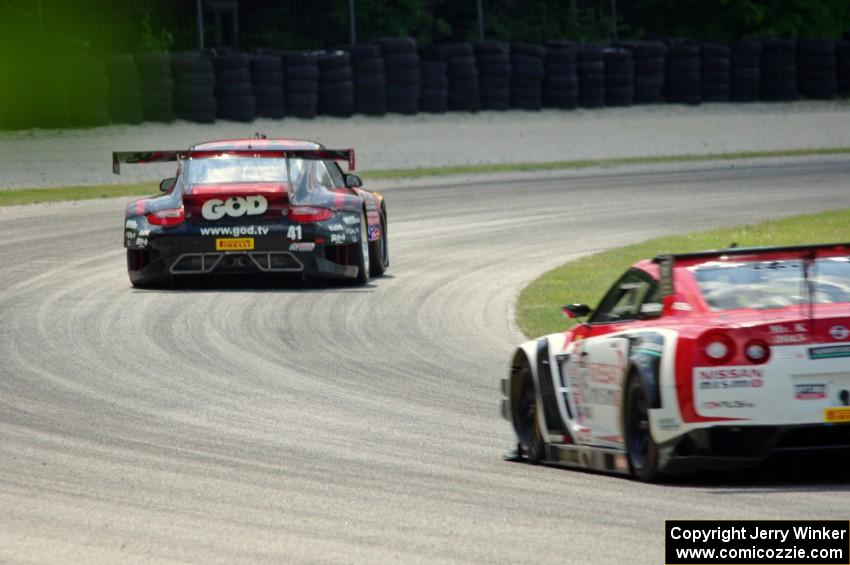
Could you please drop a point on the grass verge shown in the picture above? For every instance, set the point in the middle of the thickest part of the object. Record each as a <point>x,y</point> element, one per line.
<point>36,195</point>
<point>585,280</point>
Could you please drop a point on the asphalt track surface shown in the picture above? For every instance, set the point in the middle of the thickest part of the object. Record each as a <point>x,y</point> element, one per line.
<point>340,424</point>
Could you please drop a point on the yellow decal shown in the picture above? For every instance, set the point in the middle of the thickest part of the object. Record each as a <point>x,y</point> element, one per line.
<point>840,414</point>
<point>235,244</point>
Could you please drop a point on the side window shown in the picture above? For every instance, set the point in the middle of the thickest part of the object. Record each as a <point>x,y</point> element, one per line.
<point>323,177</point>
<point>336,174</point>
<point>634,295</point>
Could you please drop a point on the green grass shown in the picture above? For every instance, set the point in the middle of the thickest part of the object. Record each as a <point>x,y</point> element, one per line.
<point>585,280</point>
<point>36,195</point>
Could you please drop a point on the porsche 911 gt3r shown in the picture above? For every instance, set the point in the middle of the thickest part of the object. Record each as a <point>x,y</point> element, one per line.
<point>255,206</point>
<point>717,359</point>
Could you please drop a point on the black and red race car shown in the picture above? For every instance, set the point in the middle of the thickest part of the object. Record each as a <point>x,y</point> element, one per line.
<point>255,205</point>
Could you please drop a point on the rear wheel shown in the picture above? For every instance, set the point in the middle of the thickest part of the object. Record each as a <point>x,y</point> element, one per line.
<point>361,253</point>
<point>642,449</point>
<point>141,277</point>
<point>379,254</point>
<point>526,421</point>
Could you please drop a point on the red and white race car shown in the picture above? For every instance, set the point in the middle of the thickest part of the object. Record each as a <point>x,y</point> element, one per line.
<point>717,359</point>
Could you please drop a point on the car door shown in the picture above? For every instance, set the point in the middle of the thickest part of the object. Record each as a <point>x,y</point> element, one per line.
<point>597,366</point>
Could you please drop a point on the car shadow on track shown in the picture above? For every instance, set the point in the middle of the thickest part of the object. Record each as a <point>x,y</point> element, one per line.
<point>263,284</point>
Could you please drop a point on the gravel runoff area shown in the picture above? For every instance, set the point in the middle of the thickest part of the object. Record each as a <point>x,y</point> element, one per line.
<point>47,158</point>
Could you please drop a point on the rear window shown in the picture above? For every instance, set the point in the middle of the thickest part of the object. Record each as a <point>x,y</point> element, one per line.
<point>730,285</point>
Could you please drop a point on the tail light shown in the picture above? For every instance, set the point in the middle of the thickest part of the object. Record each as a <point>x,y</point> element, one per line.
<point>167,217</point>
<point>308,214</point>
<point>757,351</point>
<point>718,348</point>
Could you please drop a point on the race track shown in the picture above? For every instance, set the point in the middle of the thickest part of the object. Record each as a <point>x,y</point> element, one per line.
<point>341,424</point>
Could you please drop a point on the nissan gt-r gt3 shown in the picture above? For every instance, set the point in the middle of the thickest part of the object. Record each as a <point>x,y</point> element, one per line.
<point>255,206</point>
<point>717,359</point>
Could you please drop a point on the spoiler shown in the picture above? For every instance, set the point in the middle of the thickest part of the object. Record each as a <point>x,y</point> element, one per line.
<point>666,262</point>
<point>145,157</point>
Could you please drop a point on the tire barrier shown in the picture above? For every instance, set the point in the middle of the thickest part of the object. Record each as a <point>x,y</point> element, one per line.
<point>401,63</point>
<point>842,70</point>
<point>527,72</point>
<point>817,68</point>
<point>125,102</point>
<point>560,83</point>
<point>434,88</point>
<point>88,94</point>
<point>234,91</point>
<point>649,64</point>
<point>370,79</point>
<point>493,61</point>
<point>619,76</point>
<point>683,84</point>
<point>464,89</point>
<point>267,82</point>
<point>336,84</point>
<point>195,87</point>
<point>779,70</point>
<point>591,77</point>
<point>157,86</point>
<point>715,72</point>
<point>301,83</point>
<point>746,71</point>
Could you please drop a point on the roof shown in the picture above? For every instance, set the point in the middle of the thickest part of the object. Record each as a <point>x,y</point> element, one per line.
<point>256,143</point>
<point>736,251</point>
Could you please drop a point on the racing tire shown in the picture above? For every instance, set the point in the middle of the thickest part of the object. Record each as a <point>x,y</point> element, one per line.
<point>361,253</point>
<point>641,449</point>
<point>526,420</point>
<point>379,253</point>
<point>138,280</point>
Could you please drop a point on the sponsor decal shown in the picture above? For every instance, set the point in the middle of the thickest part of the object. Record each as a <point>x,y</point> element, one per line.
<point>141,242</point>
<point>351,220</point>
<point>131,224</point>
<point>720,404</point>
<point>669,424</point>
<point>730,373</point>
<point>839,333</point>
<point>374,232</point>
<point>235,244</point>
<point>651,308</point>
<point>236,231</point>
<point>682,306</point>
<point>335,227</point>
<point>809,391</point>
<point>302,246</point>
<point>829,352</point>
<point>835,415</point>
<point>787,329</point>
<point>235,206</point>
<point>731,383</point>
<point>337,238</point>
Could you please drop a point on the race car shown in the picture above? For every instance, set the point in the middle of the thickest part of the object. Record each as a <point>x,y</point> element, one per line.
<point>710,360</point>
<point>255,205</point>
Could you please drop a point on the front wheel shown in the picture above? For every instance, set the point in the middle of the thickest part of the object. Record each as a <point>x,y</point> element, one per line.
<point>642,449</point>
<point>361,253</point>
<point>526,421</point>
<point>379,253</point>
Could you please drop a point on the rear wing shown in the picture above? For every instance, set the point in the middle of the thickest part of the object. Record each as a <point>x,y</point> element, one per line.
<point>810,252</point>
<point>145,157</point>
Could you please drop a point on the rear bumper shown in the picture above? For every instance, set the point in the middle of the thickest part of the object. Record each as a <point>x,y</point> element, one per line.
<point>728,447</point>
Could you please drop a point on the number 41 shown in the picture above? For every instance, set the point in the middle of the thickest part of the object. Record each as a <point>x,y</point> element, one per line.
<point>294,233</point>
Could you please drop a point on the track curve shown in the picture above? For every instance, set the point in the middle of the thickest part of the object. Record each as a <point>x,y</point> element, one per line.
<point>339,424</point>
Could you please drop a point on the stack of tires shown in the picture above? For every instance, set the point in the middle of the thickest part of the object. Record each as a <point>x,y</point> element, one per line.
<point>401,64</point>
<point>89,94</point>
<point>779,70</point>
<point>715,72</point>
<point>157,86</point>
<point>434,73</point>
<point>370,80</point>
<point>817,68</point>
<point>194,77</point>
<point>301,86</point>
<point>267,84</point>
<point>560,84</point>
<point>527,72</point>
<point>746,71</point>
<point>336,84</point>
<point>683,84</point>
<point>650,70</point>
<point>619,77</point>
<point>842,71</point>
<point>234,90</point>
<point>464,90</point>
<point>125,102</point>
<point>591,77</point>
<point>494,74</point>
